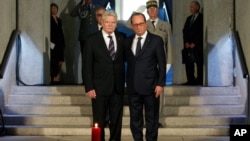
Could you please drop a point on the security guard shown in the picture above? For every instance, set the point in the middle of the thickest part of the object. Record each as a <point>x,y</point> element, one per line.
<point>85,10</point>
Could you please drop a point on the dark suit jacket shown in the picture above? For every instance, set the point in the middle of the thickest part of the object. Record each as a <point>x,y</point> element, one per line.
<point>101,73</point>
<point>57,37</point>
<point>149,68</point>
<point>194,33</point>
<point>88,24</point>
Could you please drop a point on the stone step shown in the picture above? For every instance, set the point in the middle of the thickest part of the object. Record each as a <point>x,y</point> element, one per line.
<point>187,121</point>
<point>86,109</point>
<point>198,90</point>
<point>202,100</point>
<point>53,90</point>
<point>203,110</point>
<point>86,120</point>
<point>79,130</point>
<point>168,90</point>
<point>65,110</point>
<point>72,99</point>
<point>50,99</point>
<point>16,109</point>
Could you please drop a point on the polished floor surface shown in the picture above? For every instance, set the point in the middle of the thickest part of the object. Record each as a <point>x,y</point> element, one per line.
<point>124,138</point>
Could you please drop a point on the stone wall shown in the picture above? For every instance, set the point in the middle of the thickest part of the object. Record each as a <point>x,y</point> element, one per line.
<point>7,22</point>
<point>242,25</point>
<point>34,24</point>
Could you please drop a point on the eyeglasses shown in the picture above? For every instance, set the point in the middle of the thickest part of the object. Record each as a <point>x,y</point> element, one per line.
<point>138,24</point>
<point>99,15</point>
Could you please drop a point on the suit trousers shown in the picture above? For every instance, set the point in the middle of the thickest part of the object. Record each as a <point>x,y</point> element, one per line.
<point>113,104</point>
<point>190,71</point>
<point>150,104</point>
<point>82,52</point>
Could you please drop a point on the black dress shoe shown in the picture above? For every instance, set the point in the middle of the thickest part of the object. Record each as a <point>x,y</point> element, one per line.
<point>198,82</point>
<point>56,83</point>
<point>160,125</point>
<point>188,83</point>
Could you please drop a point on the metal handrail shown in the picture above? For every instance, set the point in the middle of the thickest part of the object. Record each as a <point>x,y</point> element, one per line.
<point>244,69</point>
<point>241,55</point>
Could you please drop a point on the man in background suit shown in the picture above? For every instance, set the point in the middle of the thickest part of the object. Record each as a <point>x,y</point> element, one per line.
<point>146,73</point>
<point>193,40</point>
<point>98,15</point>
<point>104,75</point>
<point>159,27</point>
<point>86,11</point>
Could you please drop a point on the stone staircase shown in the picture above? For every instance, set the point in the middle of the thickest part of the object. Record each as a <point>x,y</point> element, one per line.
<point>65,110</point>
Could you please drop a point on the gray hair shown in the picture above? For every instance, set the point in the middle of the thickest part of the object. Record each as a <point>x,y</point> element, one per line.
<point>109,13</point>
<point>197,4</point>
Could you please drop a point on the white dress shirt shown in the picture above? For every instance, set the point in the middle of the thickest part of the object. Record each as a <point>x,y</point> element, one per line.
<point>99,27</point>
<point>107,39</point>
<point>136,39</point>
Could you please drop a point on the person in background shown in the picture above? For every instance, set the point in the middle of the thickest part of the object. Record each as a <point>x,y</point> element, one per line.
<point>86,11</point>
<point>98,14</point>
<point>158,26</point>
<point>104,75</point>
<point>57,45</point>
<point>146,73</point>
<point>193,40</point>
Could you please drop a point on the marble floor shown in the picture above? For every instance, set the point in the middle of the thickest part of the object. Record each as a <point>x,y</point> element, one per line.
<point>124,138</point>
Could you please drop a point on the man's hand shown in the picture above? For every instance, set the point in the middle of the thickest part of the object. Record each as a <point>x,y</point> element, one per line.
<point>158,91</point>
<point>187,45</point>
<point>91,94</point>
<point>192,45</point>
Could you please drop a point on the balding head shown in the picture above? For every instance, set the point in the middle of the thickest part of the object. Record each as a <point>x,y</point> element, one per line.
<point>194,7</point>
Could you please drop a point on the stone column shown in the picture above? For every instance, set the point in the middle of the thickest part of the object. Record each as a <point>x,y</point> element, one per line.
<point>7,22</point>
<point>218,15</point>
<point>34,23</point>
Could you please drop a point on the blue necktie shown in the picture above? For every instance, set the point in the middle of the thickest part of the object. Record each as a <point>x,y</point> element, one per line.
<point>192,20</point>
<point>138,46</point>
<point>111,48</point>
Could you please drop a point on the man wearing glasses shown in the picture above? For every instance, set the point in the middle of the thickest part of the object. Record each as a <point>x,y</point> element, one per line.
<point>98,15</point>
<point>145,74</point>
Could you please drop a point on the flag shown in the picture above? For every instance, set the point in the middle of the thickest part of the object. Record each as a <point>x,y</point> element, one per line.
<point>163,13</point>
<point>108,6</point>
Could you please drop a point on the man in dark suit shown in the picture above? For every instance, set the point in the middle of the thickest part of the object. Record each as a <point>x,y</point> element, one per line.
<point>193,40</point>
<point>104,75</point>
<point>86,12</point>
<point>146,73</point>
